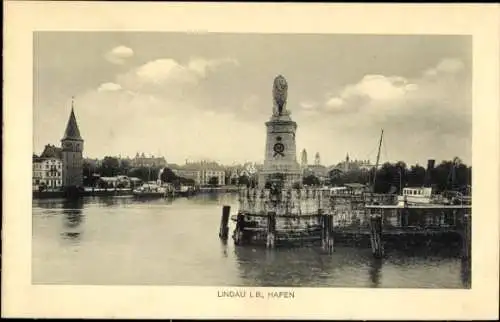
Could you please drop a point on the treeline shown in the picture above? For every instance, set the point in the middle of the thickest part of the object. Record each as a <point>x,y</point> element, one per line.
<point>392,177</point>
<point>111,167</point>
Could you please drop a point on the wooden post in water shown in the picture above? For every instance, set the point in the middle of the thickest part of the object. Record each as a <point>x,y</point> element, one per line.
<point>238,233</point>
<point>330,241</point>
<point>224,229</point>
<point>466,236</point>
<point>271,229</point>
<point>324,225</point>
<point>326,230</point>
<point>376,235</point>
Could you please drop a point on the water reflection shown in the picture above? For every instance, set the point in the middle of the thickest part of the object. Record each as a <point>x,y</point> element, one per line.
<point>375,268</point>
<point>213,198</point>
<point>48,203</point>
<point>73,217</point>
<point>283,267</point>
<point>224,247</point>
<point>465,273</point>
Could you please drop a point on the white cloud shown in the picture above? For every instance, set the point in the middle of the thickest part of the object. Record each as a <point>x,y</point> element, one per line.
<point>119,55</point>
<point>308,105</point>
<point>445,68</point>
<point>109,87</point>
<point>334,103</point>
<point>396,92</point>
<point>151,106</point>
<point>163,70</point>
<point>419,112</point>
<point>377,87</point>
<point>450,65</point>
<point>202,66</point>
<point>168,74</point>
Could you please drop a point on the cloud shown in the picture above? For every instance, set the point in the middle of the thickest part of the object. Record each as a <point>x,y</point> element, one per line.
<point>430,112</point>
<point>450,66</point>
<point>119,55</point>
<point>395,92</point>
<point>371,88</point>
<point>334,103</point>
<point>202,66</point>
<point>167,76</point>
<point>154,105</point>
<point>109,87</point>
<point>163,70</point>
<point>308,105</point>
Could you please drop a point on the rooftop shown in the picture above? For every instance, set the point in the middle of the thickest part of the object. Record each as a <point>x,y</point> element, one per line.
<point>72,132</point>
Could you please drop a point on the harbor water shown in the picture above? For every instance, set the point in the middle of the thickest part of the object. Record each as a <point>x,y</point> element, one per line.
<point>123,241</point>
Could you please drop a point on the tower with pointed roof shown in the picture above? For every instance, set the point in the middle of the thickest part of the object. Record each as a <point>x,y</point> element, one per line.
<point>72,153</point>
<point>346,163</point>
<point>317,159</point>
<point>303,161</point>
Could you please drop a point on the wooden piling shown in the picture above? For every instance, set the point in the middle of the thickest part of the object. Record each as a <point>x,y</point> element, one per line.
<point>466,236</point>
<point>224,229</point>
<point>271,229</point>
<point>238,232</point>
<point>324,228</point>
<point>330,240</point>
<point>376,235</point>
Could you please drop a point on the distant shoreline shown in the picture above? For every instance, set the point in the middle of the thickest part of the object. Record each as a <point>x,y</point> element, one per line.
<point>109,192</point>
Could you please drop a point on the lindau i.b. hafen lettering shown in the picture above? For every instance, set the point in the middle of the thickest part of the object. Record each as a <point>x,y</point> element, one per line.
<point>256,294</point>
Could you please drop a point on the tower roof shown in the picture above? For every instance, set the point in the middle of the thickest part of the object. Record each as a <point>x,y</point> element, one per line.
<point>72,132</point>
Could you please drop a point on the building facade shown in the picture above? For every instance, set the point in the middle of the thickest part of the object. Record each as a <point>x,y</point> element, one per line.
<point>72,154</point>
<point>201,172</point>
<point>141,160</point>
<point>192,174</point>
<point>206,176</point>
<point>47,172</point>
<point>349,165</point>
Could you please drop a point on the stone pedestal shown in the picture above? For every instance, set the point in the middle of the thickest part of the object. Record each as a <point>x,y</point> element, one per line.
<point>281,153</point>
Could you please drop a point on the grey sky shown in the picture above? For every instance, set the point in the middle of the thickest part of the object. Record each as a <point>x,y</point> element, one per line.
<point>191,96</point>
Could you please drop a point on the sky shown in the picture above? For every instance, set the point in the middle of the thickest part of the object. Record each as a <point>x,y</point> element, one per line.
<point>193,96</point>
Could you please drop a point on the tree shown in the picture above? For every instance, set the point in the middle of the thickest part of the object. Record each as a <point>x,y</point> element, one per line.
<point>168,176</point>
<point>110,167</point>
<point>335,176</point>
<point>124,167</point>
<point>213,181</point>
<point>144,173</point>
<point>416,176</point>
<point>311,180</point>
<point>88,174</point>
<point>243,180</point>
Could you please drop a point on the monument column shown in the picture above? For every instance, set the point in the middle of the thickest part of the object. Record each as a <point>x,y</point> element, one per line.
<point>280,161</point>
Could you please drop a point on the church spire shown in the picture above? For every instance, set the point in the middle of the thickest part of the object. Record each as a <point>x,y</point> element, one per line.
<point>72,132</point>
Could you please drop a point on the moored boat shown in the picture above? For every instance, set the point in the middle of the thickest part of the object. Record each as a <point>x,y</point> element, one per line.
<point>151,190</point>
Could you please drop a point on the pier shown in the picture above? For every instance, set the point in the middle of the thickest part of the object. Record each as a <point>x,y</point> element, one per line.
<point>302,217</point>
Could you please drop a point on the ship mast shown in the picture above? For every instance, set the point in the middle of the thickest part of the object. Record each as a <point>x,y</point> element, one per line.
<point>378,160</point>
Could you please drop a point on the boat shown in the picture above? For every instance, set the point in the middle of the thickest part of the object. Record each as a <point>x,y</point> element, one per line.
<point>426,196</point>
<point>184,191</point>
<point>151,190</point>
